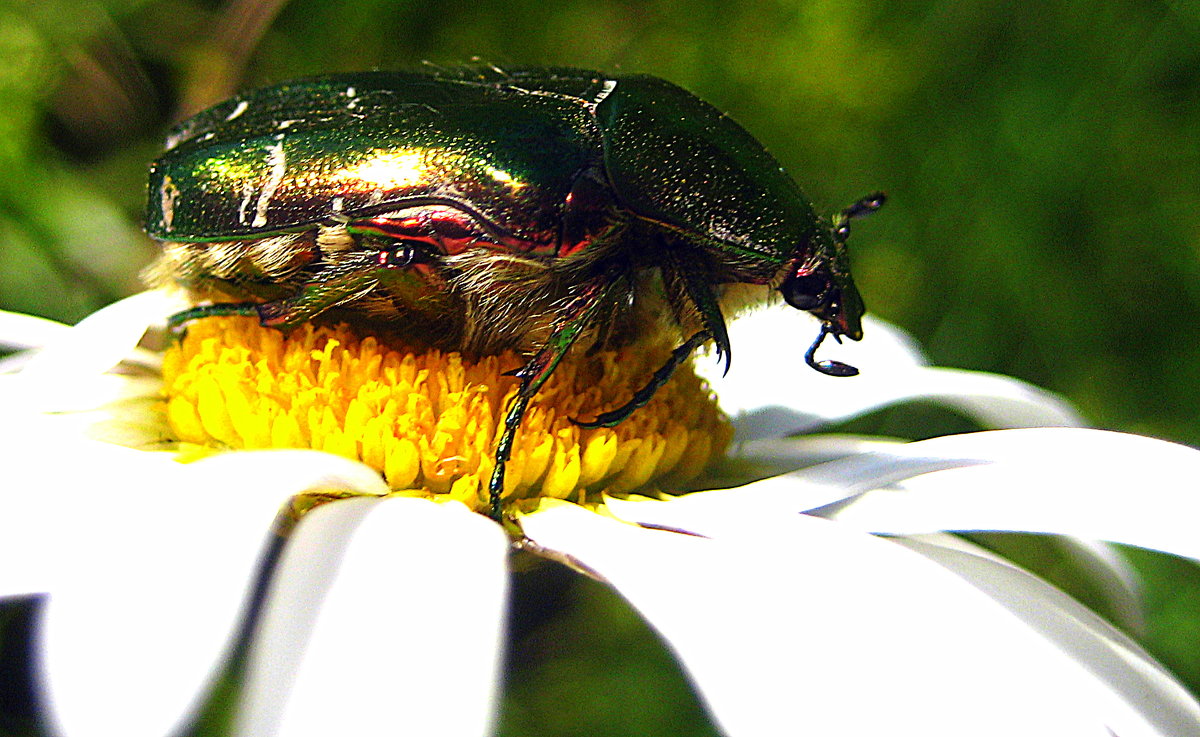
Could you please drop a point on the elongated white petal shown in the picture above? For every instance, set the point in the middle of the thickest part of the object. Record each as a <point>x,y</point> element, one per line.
<point>1084,483</point>
<point>290,472</point>
<point>117,409</point>
<point>821,485</point>
<point>767,457</point>
<point>384,618</point>
<point>1112,577</point>
<point>1142,697</point>
<point>857,465</point>
<point>803,451</point>
<point>147,563</point>
<point>19,332</point>
<point>798,626</point>
<point>94,346</point>
<point>994,401</point>
<point>1109,579</point>
<point>770,391</point>
<point>55,498</point>
<point>768,460</point>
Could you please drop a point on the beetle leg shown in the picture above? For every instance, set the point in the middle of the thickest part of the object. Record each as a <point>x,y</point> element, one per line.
<point>176,322</point>
<point>347,279</point>
<point>687,282</point>
<point>351,276</point>
<point>642,396</point>
<point>577,316</point>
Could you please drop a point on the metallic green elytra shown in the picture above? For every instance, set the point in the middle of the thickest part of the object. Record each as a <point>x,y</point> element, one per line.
<point>488,209</point>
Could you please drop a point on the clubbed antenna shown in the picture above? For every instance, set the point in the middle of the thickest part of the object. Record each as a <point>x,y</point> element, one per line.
<point>861,208</point>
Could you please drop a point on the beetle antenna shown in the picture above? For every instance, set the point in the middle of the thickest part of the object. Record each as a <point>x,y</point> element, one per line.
<point>865,206</point>
<point>829,368</point>
<point>860,208</point>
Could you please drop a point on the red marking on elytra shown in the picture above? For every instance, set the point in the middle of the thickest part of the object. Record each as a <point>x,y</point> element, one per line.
<point>453,231</point>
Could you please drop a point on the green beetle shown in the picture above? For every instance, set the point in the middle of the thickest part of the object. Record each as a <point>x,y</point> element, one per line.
<point>484,209</point>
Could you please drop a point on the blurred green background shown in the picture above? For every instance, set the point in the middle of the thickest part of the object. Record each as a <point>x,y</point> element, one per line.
<point>1041,161</point>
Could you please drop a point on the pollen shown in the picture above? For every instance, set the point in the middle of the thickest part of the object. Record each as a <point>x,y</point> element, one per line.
<point>428,420</point>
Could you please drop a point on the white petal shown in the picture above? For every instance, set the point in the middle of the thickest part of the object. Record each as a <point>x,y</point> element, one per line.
<point>798,626</point>
<point>147,563</point>
<point>992,400</point>
<point>769,457</point>
<point>115,408</point>
<point>129,638</point>
<point>1099,566</point>
<point>769,383</point>
<point>19,331</point>
<point>817,486</point>
<point>995,401</point>
<point>1083,483</point>
<point>55,496</point>
<point>384,618</point>
<point>1143,698</point>
<point>831,484</point>
<point>770,391</point>
<point>1089,484</point>
<point>1111,576</point>
<point>807,450</point>
<point>99,342</point>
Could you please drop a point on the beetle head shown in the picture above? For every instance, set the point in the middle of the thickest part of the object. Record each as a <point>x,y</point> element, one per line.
<point>819,282</point>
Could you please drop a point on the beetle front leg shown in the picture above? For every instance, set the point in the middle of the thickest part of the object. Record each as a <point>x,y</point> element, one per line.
<point>567,328</point>
<point>345,280</point>
<point>348,278</point>
<point>643,396</point>
<point>176,322</point>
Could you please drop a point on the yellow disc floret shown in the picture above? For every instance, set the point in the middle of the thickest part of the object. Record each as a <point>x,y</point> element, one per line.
<point>428,420</point>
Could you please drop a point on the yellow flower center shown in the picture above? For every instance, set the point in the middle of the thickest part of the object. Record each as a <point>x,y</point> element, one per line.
<point>428,421</point>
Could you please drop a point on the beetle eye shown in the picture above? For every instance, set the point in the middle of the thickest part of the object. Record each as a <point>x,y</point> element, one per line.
<point>806,291</point>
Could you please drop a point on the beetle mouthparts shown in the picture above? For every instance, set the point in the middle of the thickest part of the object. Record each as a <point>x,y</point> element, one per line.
<point>829,368</point>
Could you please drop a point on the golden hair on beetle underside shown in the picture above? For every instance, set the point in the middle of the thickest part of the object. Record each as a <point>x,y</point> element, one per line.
<point>274,259</point>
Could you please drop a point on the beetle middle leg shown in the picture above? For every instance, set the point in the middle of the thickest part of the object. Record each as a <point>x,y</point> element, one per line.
<point>175,322</point>
<point>344,279</point>
<point>576,318</point>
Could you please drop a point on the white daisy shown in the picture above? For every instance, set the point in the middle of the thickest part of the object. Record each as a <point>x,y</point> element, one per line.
<point>156,586</point>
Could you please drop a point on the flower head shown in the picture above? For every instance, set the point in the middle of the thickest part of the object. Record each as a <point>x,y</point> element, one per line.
<point>428,421</point>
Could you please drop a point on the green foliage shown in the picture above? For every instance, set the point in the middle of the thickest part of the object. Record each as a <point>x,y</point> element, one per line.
<point>1040,158</point>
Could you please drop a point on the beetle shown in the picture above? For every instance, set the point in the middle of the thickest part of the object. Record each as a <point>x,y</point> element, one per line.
<point>481,209</point>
